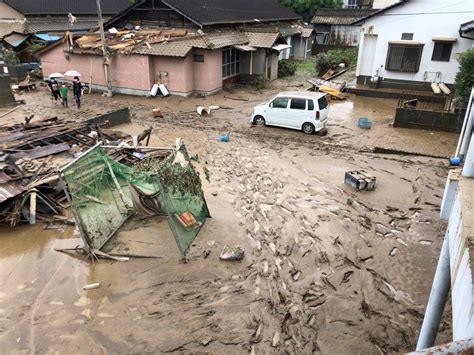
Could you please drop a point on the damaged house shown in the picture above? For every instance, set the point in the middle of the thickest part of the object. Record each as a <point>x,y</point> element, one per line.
<point>190,47</point>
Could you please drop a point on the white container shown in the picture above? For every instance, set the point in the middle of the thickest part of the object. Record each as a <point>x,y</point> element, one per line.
<point>435,88</point>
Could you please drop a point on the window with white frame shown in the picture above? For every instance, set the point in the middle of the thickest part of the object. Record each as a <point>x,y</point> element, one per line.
<point>230,62</point>
<point>352,4</point>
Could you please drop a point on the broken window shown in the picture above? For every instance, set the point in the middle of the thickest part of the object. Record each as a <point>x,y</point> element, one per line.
<point>442,51</point>
<point>230,62</point>
<point>404,57</point>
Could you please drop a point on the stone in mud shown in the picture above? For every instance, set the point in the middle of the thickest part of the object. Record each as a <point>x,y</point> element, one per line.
<point>231,253</point>
<point>276,339</point>
<point>379,228</point>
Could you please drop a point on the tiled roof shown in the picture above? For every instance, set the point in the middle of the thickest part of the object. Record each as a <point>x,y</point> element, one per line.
<point>340,16</point>
<point>290,31</point>
<point>208,12</point>
<point>7,27</point>
<point>63,7</point>
<point>15,39</point>
<point>262,39</point>
<point>307,32</point>
<point>225,39</point>
<point>176,48</point>
<point>60,24</point>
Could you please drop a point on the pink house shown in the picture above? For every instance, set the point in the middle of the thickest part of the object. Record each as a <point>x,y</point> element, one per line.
<point>222,44</point>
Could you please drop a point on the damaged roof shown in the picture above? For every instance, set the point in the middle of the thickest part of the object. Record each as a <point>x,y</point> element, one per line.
<point>210,12</point>
<point>63,7</point>
<point>173,43</point>
<point>340,16</point>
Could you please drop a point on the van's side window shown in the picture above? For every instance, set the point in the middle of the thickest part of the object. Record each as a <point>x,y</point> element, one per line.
<point>323,103</point>
<point>298,104</point>
<point>280,102</point>
<point>310,105</point>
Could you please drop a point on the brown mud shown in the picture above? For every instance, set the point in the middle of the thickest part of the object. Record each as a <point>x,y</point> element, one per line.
<point>326,269</point>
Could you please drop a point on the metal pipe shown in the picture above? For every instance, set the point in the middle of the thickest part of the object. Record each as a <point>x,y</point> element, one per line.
<point>438,296</point>
<point>468,169</point>
<point>468,119</point>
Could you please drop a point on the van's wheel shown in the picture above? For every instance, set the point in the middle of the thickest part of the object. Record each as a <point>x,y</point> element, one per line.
<point>259,121</point>
<point>308,128</point>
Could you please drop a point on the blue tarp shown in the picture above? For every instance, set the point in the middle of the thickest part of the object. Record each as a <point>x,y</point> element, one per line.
<point>47,37</point>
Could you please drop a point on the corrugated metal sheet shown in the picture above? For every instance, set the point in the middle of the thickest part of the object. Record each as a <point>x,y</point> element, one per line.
<point>15,39</point>
<point>10,190</point>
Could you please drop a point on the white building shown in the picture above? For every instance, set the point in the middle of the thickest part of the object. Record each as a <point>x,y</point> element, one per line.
<point>374,4</point>
<point>411,44</point>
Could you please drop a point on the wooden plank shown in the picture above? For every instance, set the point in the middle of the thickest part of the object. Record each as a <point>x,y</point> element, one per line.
<point>32,207</point>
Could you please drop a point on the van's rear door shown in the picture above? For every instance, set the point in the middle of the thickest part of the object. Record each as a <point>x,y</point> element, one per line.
<point>323,108</point>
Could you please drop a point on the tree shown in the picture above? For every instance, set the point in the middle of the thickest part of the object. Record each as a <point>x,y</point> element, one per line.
<point>307,8</point>
<point>464,80</point>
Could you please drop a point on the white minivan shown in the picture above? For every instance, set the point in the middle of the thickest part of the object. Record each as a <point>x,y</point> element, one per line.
<point>302,110</point>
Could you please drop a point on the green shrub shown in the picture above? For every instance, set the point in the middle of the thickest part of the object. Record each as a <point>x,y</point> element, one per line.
<point>10,57</point>
<point>286,68</point>
<point>464,80</point>
<point>332,58</point>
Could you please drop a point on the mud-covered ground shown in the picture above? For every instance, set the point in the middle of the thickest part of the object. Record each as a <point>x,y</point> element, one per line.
<point>326,269</point>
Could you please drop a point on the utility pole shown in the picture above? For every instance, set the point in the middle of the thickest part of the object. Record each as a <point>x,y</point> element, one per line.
<point>105,53</point>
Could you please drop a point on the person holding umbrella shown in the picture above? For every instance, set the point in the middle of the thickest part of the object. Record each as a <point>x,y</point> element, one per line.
<point>77,91</point>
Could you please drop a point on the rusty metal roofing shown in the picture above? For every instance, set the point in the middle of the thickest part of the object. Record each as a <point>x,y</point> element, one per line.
<point>9,190</point>
<point>340,16</point>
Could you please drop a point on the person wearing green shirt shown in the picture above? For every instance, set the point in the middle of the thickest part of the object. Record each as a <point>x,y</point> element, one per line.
<point>63,91</point>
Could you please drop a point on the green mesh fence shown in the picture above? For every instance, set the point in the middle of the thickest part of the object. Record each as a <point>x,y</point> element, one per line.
<point>181,193</point>
<point>102,196</point>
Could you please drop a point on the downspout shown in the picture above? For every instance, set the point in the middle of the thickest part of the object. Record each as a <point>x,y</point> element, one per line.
<point>251,63</point>
<point>436,302</point>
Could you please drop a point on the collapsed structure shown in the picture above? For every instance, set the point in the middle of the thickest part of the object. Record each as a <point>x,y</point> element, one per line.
<point>50,165</point>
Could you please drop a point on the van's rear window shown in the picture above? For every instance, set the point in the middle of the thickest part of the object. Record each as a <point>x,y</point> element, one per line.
<point>323,103</point>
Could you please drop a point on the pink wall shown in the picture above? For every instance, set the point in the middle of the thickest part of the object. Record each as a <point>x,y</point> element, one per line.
<point>208,75</point>
<point>127,71</point>
<point>180,75</point>
<point>176,73</point>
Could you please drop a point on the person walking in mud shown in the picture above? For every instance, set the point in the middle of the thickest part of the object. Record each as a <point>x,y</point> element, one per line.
<point>53,87</point>
<point>63,90</point>
<point>77,91</point>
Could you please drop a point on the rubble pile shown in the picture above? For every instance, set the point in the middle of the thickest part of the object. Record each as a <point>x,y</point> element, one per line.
<point>32,153</point>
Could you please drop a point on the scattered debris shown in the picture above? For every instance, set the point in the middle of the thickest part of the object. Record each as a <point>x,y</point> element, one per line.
<point>224,138</point>
<point>365,123</point>
<point>157,113</point>
<point>91,286</point>
<point>360,180</point>
<point>232,253</point>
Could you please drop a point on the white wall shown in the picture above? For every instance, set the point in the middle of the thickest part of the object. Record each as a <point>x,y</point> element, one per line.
<point>461,274</point>
<point>380,4</point>
<point>285,54</point>
<point>425,19</point>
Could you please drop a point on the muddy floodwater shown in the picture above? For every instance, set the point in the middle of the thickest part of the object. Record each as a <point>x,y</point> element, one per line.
<point>327,270</point>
